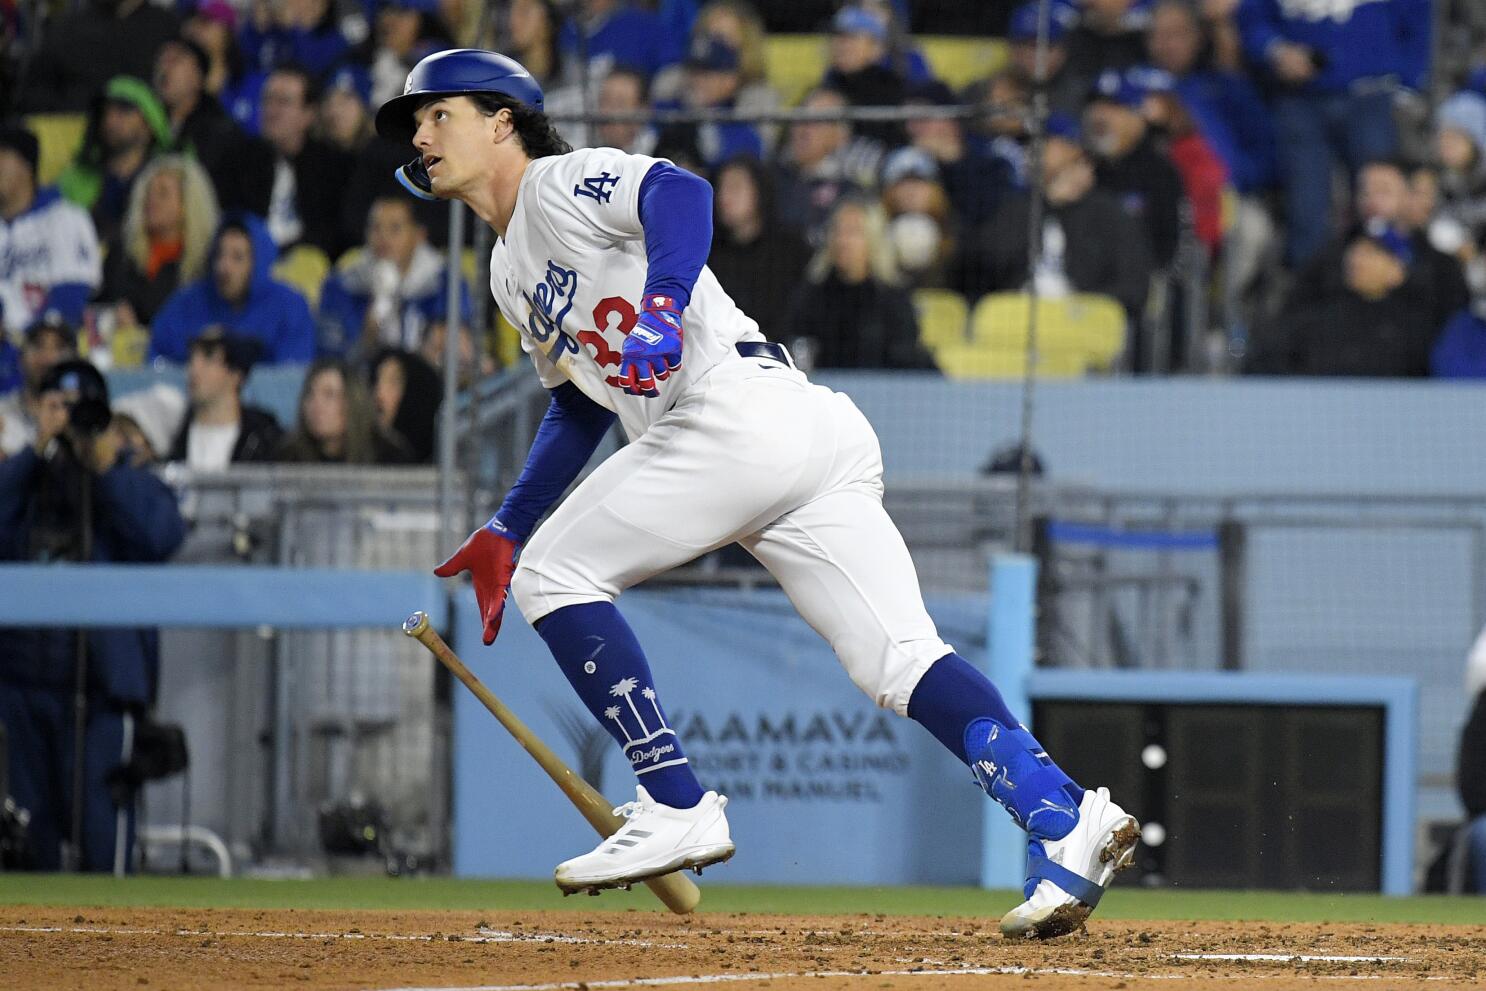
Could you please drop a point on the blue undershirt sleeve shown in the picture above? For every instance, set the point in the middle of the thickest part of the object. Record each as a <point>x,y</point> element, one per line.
<point>570,432</point>
<point>676,214</point>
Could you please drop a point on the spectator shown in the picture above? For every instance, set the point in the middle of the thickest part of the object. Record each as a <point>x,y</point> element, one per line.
<point>386,294</point>
<point>239,293</point>
<point>406,31</point>
<point>1089,243</point>
<point>859,70</point>
<point>1383,197</point>
<point>46,345</point>
<point>166,236</point>
<point>851,313</point>
<point>712,82</point>
<point>147,420</point>
<point>974,179</point>
<point>1333,77</point>
<point>738,25</point>
<point>80,51</point>
<point>1067,87</point>
<point>919,222</point>
<point>407,393</point>
<point>1226,106</point>
<point>902,54</point>
<point>473,361</point>
<point>223,430</point>
<point>1131,166</point>
<point>1002,131</point>
<point>131,517</point>
<point>1204,176</point>
<point>1460,144</point>
<point>126,129</point>
<point>337,423</point>
<point>534,28</point>
<point>611,33</point>
<point>241,167</point>
<point>1110,35</point>
<point>753,255</point>
<point>345,122</point>
<point>49,257</point>
<point>823,162</point>
<point>293,32</point>
<point>213,26</point>
<point>1361,316</point>
<point>304,200</point>
<point>623,91</point>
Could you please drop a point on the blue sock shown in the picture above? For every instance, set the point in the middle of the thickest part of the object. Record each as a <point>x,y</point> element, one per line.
<point>952,696</point>
<point>598,652</point>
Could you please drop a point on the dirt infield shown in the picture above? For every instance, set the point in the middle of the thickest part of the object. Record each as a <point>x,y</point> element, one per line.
<point>168,949</point>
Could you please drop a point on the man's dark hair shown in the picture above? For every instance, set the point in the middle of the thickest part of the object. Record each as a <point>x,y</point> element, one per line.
<point>311,87</point>
<point>538,137</point>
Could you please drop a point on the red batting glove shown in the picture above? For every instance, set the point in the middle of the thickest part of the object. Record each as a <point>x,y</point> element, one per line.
<point>489,555</point>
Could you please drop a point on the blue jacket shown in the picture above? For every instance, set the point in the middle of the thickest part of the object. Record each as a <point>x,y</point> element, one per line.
<point>347,295</point>
<point>135,521</point>
<point>1460,350</point>
<point>1358,39</point>
<point>634,39</point>
<point>272,312</point>
<point>1233,117</point>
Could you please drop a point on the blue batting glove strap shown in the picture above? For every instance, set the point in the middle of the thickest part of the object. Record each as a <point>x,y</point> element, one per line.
<point>652,351</point>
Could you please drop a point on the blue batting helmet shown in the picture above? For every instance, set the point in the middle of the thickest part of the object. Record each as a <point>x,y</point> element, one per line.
<point>451,73</point>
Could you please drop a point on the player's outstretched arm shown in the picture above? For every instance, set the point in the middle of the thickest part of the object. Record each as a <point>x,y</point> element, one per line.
<point>570,432</point>
<point>675,213</point>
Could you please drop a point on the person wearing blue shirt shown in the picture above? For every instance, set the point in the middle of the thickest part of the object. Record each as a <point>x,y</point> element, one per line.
<point>610,33</point>
<point>240,294</point>
<point>1332,74</point>
<point>713,78</point>
<point>302,32</point>
<point>389,293</point>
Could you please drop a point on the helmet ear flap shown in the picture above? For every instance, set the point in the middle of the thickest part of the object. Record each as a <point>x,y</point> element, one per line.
<point>414,178</point>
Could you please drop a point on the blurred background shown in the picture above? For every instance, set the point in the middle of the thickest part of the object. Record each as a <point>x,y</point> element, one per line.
<point>1181,304</point>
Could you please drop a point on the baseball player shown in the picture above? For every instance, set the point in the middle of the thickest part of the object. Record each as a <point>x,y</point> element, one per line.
<point>600,262</point>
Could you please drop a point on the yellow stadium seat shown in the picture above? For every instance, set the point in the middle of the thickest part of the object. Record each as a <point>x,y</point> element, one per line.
<point>60,136</point>
<point>793,63</point>
<point>943,316</point>
<point>1085,324</point>
<point>980,361</point>
<point>304,267</point>
<point>961,61</point>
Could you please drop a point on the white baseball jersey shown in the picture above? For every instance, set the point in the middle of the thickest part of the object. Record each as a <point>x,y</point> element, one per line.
<point>50,244</point>
<point>570,273</point>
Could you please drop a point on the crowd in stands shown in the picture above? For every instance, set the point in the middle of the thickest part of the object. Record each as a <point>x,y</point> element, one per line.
<point>228,202</point>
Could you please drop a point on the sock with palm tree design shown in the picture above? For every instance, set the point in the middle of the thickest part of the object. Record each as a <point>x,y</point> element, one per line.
<point>598,653</point>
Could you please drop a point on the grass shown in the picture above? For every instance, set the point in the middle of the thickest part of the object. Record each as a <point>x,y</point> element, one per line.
<point>381,894</point>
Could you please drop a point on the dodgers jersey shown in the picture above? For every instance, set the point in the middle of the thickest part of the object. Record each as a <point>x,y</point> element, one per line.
<point>51,243</point>
<point>570,273</point>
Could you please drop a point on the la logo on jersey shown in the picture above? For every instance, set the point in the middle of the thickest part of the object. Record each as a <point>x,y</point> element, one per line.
<point>599,187</point>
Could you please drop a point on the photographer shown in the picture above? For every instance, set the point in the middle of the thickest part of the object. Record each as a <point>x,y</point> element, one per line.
<point>73,496</point>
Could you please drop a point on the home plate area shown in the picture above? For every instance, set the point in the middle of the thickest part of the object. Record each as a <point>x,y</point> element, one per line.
<point>103,949</point>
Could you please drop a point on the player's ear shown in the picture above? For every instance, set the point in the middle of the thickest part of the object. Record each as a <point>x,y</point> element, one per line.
<point>505,125</point>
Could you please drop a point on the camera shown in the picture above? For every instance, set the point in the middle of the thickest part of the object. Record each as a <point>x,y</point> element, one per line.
<point>85,394</point>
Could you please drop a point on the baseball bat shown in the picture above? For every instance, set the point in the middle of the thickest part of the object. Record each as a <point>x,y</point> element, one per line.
<point>676,890</point>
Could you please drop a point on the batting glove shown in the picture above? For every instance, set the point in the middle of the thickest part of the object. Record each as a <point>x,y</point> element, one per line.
<point>489,555</point>
<point>652,351</point>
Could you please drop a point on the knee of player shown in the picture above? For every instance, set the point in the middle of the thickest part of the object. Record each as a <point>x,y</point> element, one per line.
<point>887,670</point>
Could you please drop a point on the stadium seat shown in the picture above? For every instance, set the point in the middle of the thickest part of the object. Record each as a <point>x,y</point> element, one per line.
<point>1084,324</point>
<point>961,61</point>
<point>304,267</point>
<point>794,63</point>
<point>943,316</point>
<point>980,361</point>
<point>60,136</point>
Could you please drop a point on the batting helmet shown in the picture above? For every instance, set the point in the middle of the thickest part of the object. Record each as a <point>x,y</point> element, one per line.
<point>451,73</point>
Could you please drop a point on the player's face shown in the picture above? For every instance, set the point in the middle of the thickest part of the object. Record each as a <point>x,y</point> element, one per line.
<point>456,141</point>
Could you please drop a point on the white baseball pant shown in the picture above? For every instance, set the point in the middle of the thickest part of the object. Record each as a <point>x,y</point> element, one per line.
<point>752,453</point>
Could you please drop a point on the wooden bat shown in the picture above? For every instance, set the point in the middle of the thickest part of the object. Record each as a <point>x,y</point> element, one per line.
<point>676,890</point>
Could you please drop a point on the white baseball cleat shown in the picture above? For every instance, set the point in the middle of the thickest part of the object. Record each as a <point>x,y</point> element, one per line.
<point>1070,874</point>
<point>656,840</point>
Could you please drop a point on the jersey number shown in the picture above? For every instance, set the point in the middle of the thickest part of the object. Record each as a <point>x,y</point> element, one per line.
<point>606,356</point>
